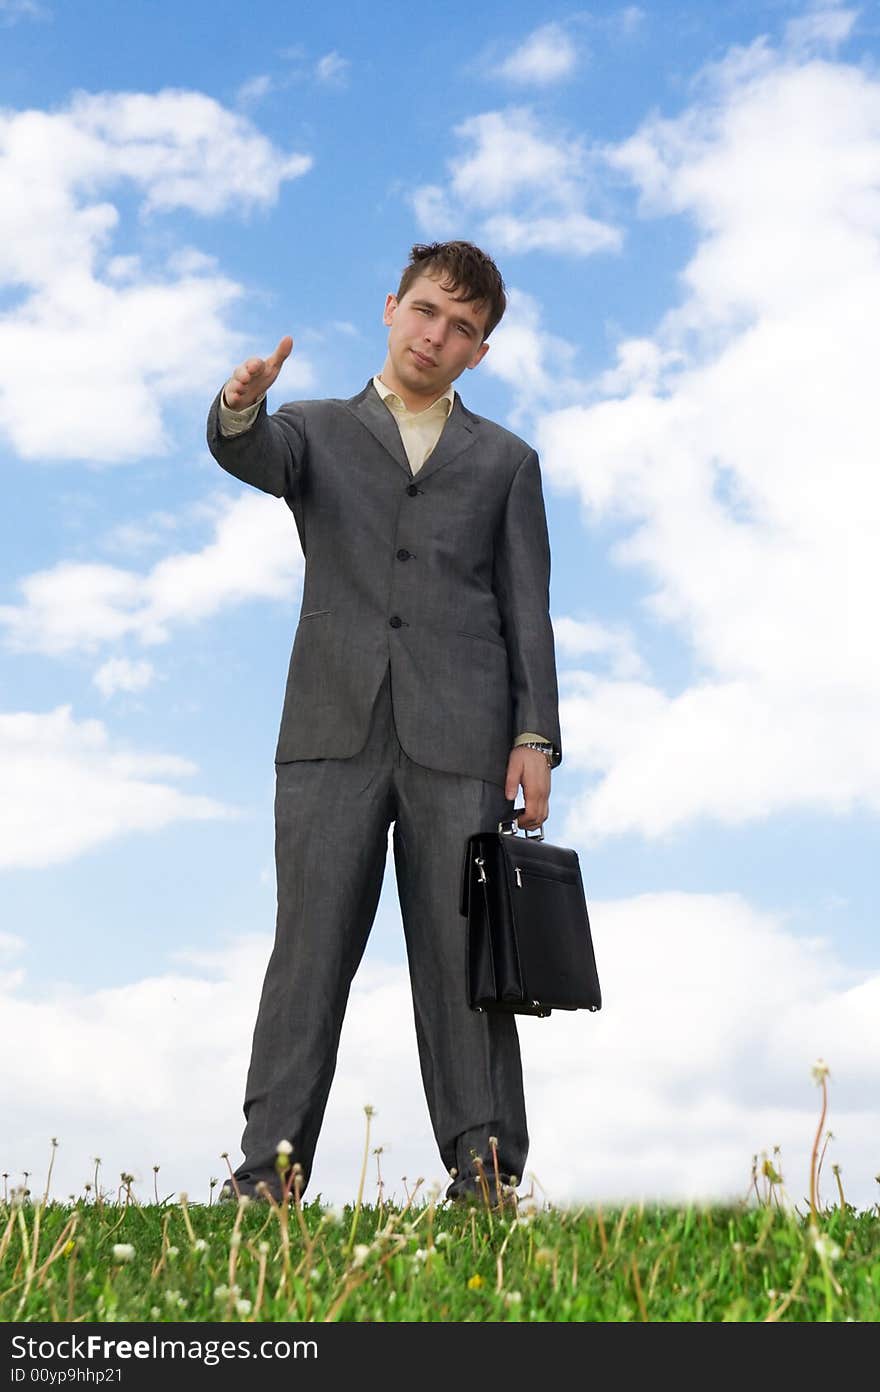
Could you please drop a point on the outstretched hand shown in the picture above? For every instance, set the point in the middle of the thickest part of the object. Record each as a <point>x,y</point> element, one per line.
<point>255,376</point>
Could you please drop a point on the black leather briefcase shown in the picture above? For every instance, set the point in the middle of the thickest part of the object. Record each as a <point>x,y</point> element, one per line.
<point>529,946</point>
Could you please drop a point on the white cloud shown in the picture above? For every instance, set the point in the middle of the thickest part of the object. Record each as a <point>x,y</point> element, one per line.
<point>579,638</point>
<point>666,1093</point>
<point>823,27</point>
<point>545,56</point>
<point>332,68</point>
<point>60,342</point>
<point>121,674</point>
<point>569,234</point>
<point>535,363</point>
<point>735,448</point>
<point>98,790</point>
<point>73,605</point>
<point>526,185</point>
<point>13,10</point>
<point>509,153</point>
<point>255,88</point>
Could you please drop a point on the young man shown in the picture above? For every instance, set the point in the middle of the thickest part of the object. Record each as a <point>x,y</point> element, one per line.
<point>422,691</point>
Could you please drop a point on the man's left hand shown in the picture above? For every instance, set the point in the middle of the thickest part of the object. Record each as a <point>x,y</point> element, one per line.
<point>529,768</point>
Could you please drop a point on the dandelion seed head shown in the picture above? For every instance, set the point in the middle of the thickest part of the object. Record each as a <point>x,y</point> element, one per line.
<point>826,1248</point>
<point>123,1251</point>
<point>361,1252</point>
<point>820,1070</point>
<point>284,1148</point>
<point>243,1307</point>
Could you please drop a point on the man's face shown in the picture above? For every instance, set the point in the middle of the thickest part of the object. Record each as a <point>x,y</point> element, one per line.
<point>433,336</point>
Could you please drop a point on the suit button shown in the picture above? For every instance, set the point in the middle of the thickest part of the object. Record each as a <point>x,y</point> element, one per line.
<point>412,490</point>
<point>403,554</point>
<point>395,621</point>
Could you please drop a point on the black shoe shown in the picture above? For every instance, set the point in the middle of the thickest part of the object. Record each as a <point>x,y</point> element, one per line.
<point>469,1190</point>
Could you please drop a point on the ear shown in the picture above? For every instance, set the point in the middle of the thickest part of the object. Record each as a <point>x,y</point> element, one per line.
<point>479,355</point>
<point>390,306</point>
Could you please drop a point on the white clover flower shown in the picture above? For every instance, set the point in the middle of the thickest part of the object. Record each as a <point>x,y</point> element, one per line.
<point>123,1252</point>
<point>361,1252</point>
<point>222,1293</point>
<point>513,1298</point>
<point>200,1245</point>
<point>172,1297</point>
<point>315,1273</point>
<point>420,1256</point>
<point>155,1312</point>
<point>243,1307</point>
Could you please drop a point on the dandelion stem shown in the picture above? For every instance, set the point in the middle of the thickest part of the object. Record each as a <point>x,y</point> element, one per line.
<point>368,1112</point>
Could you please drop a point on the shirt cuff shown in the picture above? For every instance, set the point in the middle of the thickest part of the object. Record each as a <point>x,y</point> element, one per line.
<point>529,735</point>
<point>237,422</point>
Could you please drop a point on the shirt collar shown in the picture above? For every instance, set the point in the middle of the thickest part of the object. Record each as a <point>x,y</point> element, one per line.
<point>393,400</point>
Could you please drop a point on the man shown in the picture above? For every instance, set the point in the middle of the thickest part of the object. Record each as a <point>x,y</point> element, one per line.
<point>422,691</point>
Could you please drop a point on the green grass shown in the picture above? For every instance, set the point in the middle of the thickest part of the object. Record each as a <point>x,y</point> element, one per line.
<point>105,1259</point>
<point>430,1262</point>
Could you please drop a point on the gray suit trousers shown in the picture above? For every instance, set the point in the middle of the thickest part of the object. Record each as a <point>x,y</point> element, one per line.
<point>331,837</point>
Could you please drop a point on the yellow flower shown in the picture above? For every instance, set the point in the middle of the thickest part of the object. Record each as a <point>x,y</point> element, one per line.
<point>68,1248</point>
<point>475,1282</point>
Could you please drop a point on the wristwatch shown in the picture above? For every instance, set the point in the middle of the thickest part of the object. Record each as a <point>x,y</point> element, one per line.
<point>543,746</point>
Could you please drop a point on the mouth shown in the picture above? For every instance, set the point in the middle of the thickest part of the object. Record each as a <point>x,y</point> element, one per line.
<point>420,358</point>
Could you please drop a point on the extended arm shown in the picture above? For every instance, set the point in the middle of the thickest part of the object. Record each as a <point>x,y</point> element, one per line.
<point>264,451</point>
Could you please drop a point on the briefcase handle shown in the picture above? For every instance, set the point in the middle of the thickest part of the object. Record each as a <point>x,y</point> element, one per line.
<point>509,827</point>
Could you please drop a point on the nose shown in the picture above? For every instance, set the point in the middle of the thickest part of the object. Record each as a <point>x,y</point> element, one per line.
<point>434,332</point>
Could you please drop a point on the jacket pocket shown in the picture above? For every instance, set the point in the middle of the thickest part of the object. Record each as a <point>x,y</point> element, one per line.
<point>481,637</point>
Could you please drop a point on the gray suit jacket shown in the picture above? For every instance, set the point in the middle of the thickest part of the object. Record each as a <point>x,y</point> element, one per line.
<point>446,574</point>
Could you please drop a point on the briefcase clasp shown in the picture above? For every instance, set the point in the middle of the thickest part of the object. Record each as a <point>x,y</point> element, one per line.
<point>509,827</point>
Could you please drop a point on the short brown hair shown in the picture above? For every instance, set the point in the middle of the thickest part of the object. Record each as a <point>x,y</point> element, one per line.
<point>464,267</point>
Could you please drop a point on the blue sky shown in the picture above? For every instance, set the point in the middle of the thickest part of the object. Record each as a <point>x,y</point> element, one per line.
<point>682,200</point>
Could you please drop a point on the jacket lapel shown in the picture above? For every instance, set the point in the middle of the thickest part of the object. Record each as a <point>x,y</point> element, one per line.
<point>458,433</point>
<point>372,412</point>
